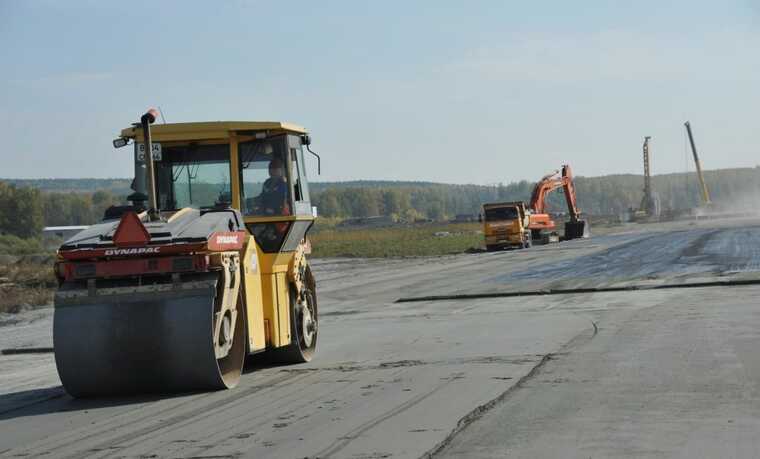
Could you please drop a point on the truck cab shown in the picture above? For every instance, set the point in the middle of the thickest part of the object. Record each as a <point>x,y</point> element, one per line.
<point>505,225</point>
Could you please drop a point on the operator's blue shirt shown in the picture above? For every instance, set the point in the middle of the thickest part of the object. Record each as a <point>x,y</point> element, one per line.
<point>274,195</point>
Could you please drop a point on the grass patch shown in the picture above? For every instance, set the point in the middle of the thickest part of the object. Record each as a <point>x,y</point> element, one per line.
<point>397,241</point>
<point>12,245</point>
<point>26,283</point>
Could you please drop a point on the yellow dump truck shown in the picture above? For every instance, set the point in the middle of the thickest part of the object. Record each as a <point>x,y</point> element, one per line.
<point>505,225</point>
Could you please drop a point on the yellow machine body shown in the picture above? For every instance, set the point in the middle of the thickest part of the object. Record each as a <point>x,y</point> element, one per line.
<point>207,265</point>
<point>269,279</point>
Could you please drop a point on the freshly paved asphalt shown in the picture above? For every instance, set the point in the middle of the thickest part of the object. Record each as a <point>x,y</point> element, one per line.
<point>657,373</point>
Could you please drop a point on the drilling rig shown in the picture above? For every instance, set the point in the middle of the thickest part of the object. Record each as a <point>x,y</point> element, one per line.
<point>650,202</point>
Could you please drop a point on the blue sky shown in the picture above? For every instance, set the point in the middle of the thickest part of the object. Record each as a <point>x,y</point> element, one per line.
<point>459,92</point>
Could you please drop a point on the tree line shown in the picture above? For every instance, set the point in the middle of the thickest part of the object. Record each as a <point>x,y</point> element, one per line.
<point>25,209</point>
<point>606,195</point>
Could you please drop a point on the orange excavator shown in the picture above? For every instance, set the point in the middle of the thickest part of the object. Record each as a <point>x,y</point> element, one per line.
<point>517,225</point>
<point>541,223</point>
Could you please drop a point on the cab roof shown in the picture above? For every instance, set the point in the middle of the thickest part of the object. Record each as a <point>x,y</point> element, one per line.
<point>503,204</point>
<point>209,130</point>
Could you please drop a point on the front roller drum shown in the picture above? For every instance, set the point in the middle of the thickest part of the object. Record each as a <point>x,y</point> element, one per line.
<point>161,341</point>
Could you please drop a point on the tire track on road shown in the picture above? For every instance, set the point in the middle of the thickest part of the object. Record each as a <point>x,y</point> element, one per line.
<point>353,434</point>
<point>72,438</point>
<point>481,410</point>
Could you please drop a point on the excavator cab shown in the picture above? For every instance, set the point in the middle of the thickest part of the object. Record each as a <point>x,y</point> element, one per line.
<point>206,266</point>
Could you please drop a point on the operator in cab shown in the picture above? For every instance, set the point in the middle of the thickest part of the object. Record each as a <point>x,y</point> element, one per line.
<point>273,200</point>
<point>265,179</point>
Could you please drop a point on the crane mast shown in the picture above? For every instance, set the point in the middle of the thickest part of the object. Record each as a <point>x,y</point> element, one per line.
<point>647,178</point>
<point>650,203</point>
<point>702,184</point>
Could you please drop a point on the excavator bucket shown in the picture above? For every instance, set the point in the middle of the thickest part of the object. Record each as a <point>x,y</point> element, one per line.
<point>577,229</point>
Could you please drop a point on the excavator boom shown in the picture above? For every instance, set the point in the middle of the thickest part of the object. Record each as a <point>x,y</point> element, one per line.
<point>551,182</point>
<point>546,185</point>
<point>568,186</point>
<point>576,227</point>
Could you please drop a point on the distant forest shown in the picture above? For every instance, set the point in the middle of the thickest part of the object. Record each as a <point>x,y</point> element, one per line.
<point>32,203</point>
<point>606,195</point>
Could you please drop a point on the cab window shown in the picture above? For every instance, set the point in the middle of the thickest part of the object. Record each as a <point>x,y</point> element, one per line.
<point>502,213</point>
<point>300,183</point>
<point>193,176</point>
<point>264,175</point>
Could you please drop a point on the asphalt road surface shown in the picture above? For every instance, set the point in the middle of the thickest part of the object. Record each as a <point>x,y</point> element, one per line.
<point>667,372</point>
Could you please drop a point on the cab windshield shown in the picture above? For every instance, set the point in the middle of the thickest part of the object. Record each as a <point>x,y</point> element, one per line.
<point>193,176</point>
<point>502,213</point>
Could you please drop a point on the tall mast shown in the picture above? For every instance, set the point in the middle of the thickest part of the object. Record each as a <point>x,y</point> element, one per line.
<point>702,184</point>
<point>647,179</point>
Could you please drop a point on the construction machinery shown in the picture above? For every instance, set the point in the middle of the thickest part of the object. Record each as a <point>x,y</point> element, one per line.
<point>517,225</point>
<point>205,267</point>
<point>702,185</point>
<point>505,225</point>
<point>541,223</point>
<point>650,203</point>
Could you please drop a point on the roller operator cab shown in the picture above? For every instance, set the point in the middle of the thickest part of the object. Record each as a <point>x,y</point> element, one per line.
<point>206,266</point>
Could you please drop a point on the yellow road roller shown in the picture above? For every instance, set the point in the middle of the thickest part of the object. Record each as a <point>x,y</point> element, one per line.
<point>205,266</point>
